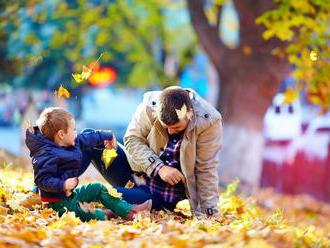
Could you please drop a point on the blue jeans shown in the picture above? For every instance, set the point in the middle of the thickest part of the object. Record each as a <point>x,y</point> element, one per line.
<point>118,173</point>
<point>142,193</point>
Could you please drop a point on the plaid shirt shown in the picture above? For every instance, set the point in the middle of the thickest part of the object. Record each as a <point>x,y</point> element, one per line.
<point>170,157</point>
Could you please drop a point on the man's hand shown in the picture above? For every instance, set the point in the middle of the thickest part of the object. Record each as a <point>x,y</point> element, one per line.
<point>70,183</point>
<point>170,175</point>
<point>109,144</point>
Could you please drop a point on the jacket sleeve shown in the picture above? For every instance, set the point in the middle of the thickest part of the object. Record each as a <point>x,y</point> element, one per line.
<point>93,138</point>
<point>136,144</point>
<point>46,174</point>
<point>209,143</point>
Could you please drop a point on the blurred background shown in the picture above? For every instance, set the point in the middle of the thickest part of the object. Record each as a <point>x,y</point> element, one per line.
<point>264,66</point>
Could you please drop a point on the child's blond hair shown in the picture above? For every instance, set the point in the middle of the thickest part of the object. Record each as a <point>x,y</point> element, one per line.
<point>53,119</point>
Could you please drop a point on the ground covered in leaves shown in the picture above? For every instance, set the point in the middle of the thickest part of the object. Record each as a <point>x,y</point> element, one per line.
<point>262,220</point>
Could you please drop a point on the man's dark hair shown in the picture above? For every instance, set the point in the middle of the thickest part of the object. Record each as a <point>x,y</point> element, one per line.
<point>170,100</point>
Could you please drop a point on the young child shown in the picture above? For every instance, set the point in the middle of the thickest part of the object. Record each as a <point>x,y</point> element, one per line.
<point>56,155</point>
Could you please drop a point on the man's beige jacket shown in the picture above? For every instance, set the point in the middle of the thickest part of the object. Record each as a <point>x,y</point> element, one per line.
<point>145,139</point>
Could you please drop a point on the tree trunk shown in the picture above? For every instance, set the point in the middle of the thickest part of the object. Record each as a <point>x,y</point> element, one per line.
<point>250,75</point>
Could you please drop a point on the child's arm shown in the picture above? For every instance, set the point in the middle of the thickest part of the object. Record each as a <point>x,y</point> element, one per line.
<point>94,138</point>
<point>45,171</point>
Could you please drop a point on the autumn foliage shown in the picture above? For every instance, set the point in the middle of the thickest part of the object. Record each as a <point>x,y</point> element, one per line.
<point>262,220</point>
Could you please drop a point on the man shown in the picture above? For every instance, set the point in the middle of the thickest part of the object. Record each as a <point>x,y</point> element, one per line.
<point>175,138</point>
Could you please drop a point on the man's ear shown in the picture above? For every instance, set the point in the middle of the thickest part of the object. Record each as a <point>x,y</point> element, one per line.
<point>190,114</point>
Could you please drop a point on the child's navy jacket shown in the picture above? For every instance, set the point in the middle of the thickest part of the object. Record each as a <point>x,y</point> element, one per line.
<point>53,164</point>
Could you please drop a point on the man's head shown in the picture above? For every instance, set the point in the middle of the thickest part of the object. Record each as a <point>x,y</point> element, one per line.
<point>175,109</point>
<point>58,125</point>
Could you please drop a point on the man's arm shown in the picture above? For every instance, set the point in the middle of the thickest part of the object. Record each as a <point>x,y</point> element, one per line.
<point>208,145</point>
<point>136,144</point>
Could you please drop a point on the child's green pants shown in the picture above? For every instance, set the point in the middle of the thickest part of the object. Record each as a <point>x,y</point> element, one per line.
<point>93,192</point>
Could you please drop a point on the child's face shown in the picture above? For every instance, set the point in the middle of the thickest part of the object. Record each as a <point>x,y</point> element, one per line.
<point>71,134</point>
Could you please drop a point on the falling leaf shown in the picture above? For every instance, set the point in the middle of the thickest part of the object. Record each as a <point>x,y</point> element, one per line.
<point>84,75</point>
<point>129,184</point>
<point>290,95</point>
<point>108,155</point>
<point>86,71</point>
<point>62,92</point>
<point>181,113</point>
<point>77,77</point>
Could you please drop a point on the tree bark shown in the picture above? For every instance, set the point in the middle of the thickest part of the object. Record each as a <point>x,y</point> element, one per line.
<point>250,76</point>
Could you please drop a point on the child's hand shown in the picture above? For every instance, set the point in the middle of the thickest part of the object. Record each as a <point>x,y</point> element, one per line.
<point>70,183</point>
<point>111,144</point>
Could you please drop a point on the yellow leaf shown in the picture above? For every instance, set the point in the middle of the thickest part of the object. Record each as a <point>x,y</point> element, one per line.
<point>30,236</point>
<point>313,56</point>
<point>260,243</point>
<point>113,192</point>
<point>67,219</point>
<point>62,92</point>
<point>129,233</point>
<point>77,77</point>
<point>70,240</point>
<point>129,184</point>
<point>108,155</point>
<point>290,95</point>
<point>183,207</point>
<point>3,210</point>
<point>86,73</point>
<point>30,200</point>
<point>181,113</point>
<point>180,242</point>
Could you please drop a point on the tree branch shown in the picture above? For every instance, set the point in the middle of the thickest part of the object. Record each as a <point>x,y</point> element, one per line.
<point>207,34</point>
<point>219,8</point>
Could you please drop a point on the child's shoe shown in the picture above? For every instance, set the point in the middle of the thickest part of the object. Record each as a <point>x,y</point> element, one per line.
<point>146,206</point>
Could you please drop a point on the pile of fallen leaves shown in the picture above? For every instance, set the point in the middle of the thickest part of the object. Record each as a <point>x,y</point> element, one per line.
<point>262,220</point>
